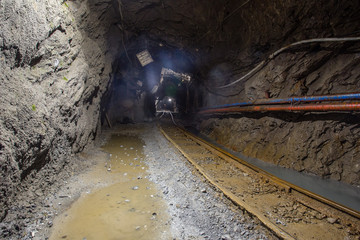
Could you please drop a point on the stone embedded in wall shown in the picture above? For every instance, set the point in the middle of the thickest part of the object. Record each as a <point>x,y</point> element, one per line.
<point>54,69</point>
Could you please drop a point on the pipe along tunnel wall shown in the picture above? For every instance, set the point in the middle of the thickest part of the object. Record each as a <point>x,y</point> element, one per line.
<point>61,62</point>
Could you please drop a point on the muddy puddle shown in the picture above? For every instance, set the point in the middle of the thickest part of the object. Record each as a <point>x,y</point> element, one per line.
<point>130,208</point>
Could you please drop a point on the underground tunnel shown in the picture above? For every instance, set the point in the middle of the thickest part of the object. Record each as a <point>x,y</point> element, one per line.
<point>160,119</point>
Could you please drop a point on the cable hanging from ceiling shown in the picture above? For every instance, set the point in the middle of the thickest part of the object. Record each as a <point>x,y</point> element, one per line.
<point>276,53</point>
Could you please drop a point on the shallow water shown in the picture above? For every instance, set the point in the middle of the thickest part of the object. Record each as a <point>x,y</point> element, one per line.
<point>128,209</point>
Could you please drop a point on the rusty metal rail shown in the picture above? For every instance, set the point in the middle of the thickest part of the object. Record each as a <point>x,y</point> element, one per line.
<point>276,179</point>
<point>174,136</point>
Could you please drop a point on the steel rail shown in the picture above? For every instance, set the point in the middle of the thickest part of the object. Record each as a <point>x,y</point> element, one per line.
<point>277,230</point>
<point>278,180</point>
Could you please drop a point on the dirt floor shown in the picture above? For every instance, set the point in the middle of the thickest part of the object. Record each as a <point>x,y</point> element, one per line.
<point>182,204</point>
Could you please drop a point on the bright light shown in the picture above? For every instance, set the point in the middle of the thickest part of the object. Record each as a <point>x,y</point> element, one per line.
<point>168,72</point>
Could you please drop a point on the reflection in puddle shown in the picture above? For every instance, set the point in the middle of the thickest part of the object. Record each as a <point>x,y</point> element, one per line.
<point>128,209</point>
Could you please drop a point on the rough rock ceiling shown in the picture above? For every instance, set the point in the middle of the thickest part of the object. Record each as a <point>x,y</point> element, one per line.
<point>180,23</point>
<point>235,32</point>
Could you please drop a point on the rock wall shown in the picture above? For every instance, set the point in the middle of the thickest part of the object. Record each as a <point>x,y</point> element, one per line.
<point>324,144</point>
<point>55,64</point>
<point>56,56</point>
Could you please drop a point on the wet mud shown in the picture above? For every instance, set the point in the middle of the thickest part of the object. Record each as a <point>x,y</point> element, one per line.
<point>131,208</point>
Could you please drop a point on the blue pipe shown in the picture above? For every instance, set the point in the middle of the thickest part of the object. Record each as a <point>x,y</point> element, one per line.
<point>337,97</point>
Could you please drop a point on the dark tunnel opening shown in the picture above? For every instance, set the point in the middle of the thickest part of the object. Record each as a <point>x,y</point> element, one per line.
<point>275,81</point>
<point>141,91</point>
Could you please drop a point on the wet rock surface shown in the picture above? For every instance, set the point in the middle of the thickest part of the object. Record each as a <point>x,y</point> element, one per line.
<point>54,70</point>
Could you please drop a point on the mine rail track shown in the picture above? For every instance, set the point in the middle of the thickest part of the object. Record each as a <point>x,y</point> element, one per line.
<point>289,211</point>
